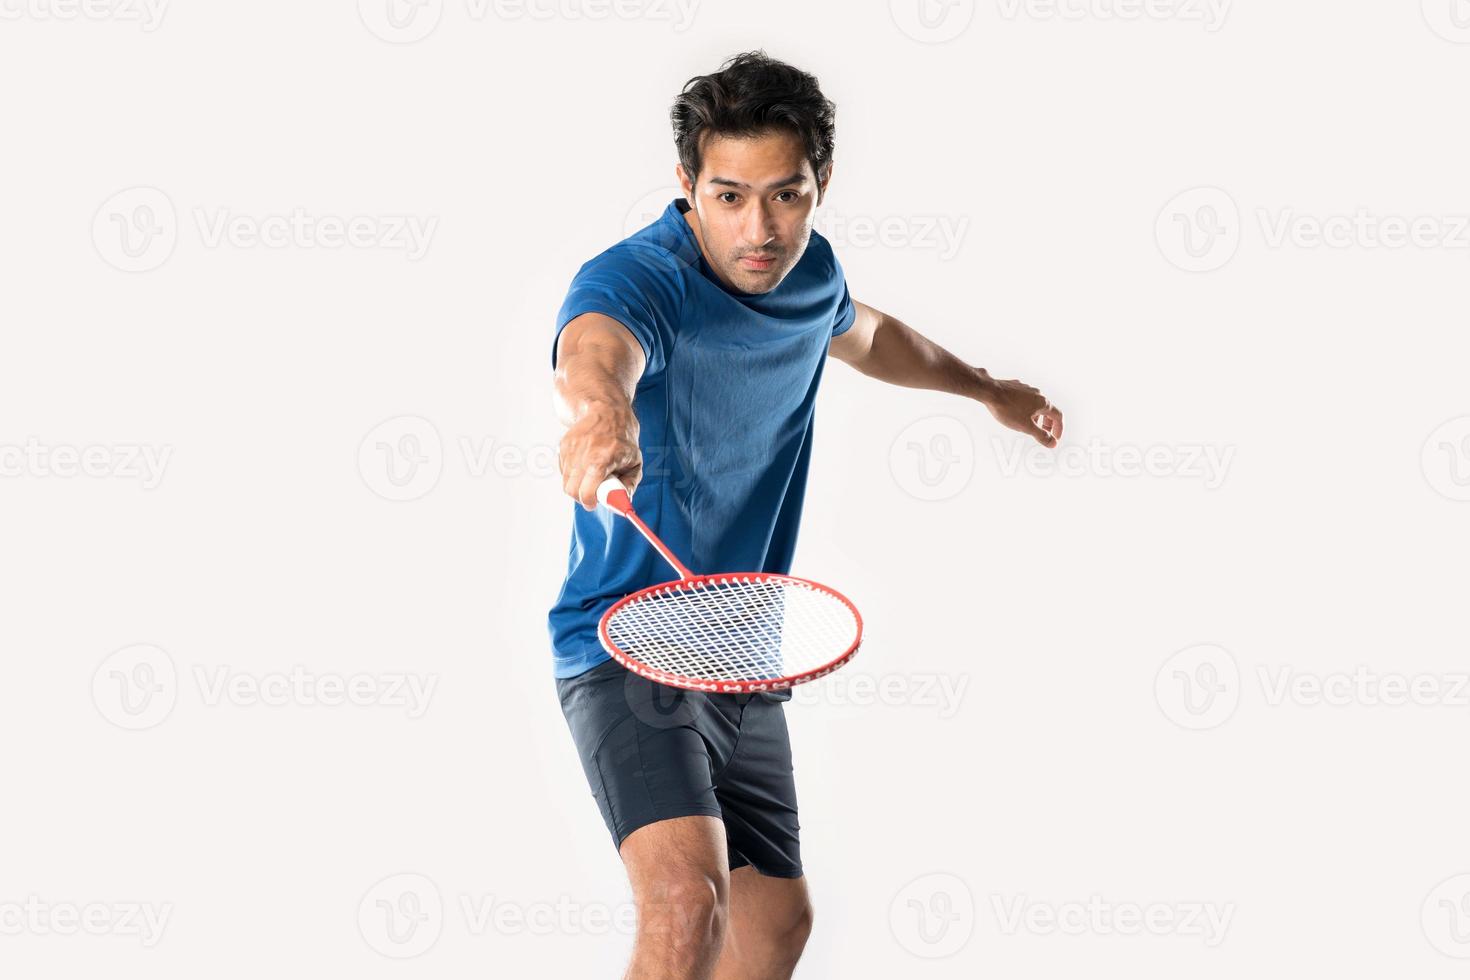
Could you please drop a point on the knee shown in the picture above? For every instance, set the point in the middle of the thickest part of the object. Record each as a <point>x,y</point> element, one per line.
<point>789,943</point>
<point>688,912</point>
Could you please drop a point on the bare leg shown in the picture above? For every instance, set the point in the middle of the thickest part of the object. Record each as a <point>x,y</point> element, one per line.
<point>680,874</point>
<point>770,919</point>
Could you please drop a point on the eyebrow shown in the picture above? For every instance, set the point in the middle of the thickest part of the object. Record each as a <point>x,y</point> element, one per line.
<point>797,178</point>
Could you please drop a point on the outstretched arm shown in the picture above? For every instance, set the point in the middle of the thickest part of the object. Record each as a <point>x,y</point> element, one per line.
<point>598,364</point>
<point>885,348</point>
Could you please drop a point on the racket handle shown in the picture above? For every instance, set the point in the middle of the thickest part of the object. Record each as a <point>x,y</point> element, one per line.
<point>612,494</point>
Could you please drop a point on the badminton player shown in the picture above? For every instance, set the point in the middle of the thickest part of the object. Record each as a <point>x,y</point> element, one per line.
<point>687,361</point>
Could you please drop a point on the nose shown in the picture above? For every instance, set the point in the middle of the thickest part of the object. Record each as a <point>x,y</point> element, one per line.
<point>760,224</point>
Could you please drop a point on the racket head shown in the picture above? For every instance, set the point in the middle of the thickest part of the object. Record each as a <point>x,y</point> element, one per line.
<point>733,633</point>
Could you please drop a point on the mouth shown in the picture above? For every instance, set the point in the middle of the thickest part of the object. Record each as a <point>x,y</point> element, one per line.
<point>757,262</point>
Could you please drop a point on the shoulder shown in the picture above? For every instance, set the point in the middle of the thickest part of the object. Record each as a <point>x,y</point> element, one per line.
<point>822,259</point>
<point>653,259</point>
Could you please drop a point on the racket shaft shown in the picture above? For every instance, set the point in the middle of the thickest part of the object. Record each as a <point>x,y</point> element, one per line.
<point>613,495</point>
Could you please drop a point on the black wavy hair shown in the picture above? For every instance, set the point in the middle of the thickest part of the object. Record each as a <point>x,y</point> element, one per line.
<point>753,93</point>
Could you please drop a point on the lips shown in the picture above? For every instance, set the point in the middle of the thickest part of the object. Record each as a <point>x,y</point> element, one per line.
<point>758,262</point>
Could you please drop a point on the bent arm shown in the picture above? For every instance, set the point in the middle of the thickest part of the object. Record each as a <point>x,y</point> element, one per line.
<point>883,347</point>
<point>598,364</point>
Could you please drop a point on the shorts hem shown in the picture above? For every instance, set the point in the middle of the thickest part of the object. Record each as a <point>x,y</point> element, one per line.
<point>624,831</point>
<point>779,871</point>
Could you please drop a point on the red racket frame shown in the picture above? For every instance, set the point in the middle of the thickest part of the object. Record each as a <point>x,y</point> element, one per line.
<point>727,687</point>
<point>613,495</point>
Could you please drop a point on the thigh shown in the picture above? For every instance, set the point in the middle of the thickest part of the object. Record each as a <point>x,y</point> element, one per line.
<point>679,852</point>
<point>649,752</point>
<point>757,794</point>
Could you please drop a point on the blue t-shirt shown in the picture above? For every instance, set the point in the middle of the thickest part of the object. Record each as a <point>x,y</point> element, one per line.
<point>724,412</point>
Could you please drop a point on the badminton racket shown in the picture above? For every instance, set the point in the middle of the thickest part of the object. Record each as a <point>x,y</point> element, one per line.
<point>729,632</point>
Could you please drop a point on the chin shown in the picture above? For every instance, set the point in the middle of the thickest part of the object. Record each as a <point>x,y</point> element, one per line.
<point>761,284</point>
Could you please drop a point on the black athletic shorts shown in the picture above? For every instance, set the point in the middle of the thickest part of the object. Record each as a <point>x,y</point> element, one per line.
<point>653,752</point>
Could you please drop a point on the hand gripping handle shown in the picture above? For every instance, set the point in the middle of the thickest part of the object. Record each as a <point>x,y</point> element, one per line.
<point>611,493</point>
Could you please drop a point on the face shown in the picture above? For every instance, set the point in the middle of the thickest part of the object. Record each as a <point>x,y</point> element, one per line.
<point>753,207</point>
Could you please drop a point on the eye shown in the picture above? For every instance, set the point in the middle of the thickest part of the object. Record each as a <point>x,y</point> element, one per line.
<point>728,194</point>
<point>790,197</point>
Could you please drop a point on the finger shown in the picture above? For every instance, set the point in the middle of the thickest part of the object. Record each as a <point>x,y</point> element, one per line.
<point>587,489</point>
<point>571,479</point>
<point>1049,428</point>
<point>632,476</point>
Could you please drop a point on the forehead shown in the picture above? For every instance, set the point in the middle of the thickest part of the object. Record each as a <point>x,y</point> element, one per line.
<point>756,160</point>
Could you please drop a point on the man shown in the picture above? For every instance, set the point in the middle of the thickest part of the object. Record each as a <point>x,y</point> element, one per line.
<point>686,363</point>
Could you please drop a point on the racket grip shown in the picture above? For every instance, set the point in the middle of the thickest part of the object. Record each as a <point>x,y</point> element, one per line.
<point>612,494</point>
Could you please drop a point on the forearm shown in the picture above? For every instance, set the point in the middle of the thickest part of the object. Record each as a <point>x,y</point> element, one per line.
<point>899,355</point>
<point>882,347</point>
<point>597,370</point>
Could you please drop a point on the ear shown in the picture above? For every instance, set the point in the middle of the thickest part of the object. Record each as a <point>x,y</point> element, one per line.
<point>823,181</point>
<point>685,183</point>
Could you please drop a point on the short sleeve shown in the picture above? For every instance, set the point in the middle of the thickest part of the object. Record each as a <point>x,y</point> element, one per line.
<point>638,287</point>
<point>846,312</point>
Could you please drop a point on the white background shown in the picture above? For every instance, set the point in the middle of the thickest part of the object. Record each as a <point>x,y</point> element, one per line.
<point>1137,196</point>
